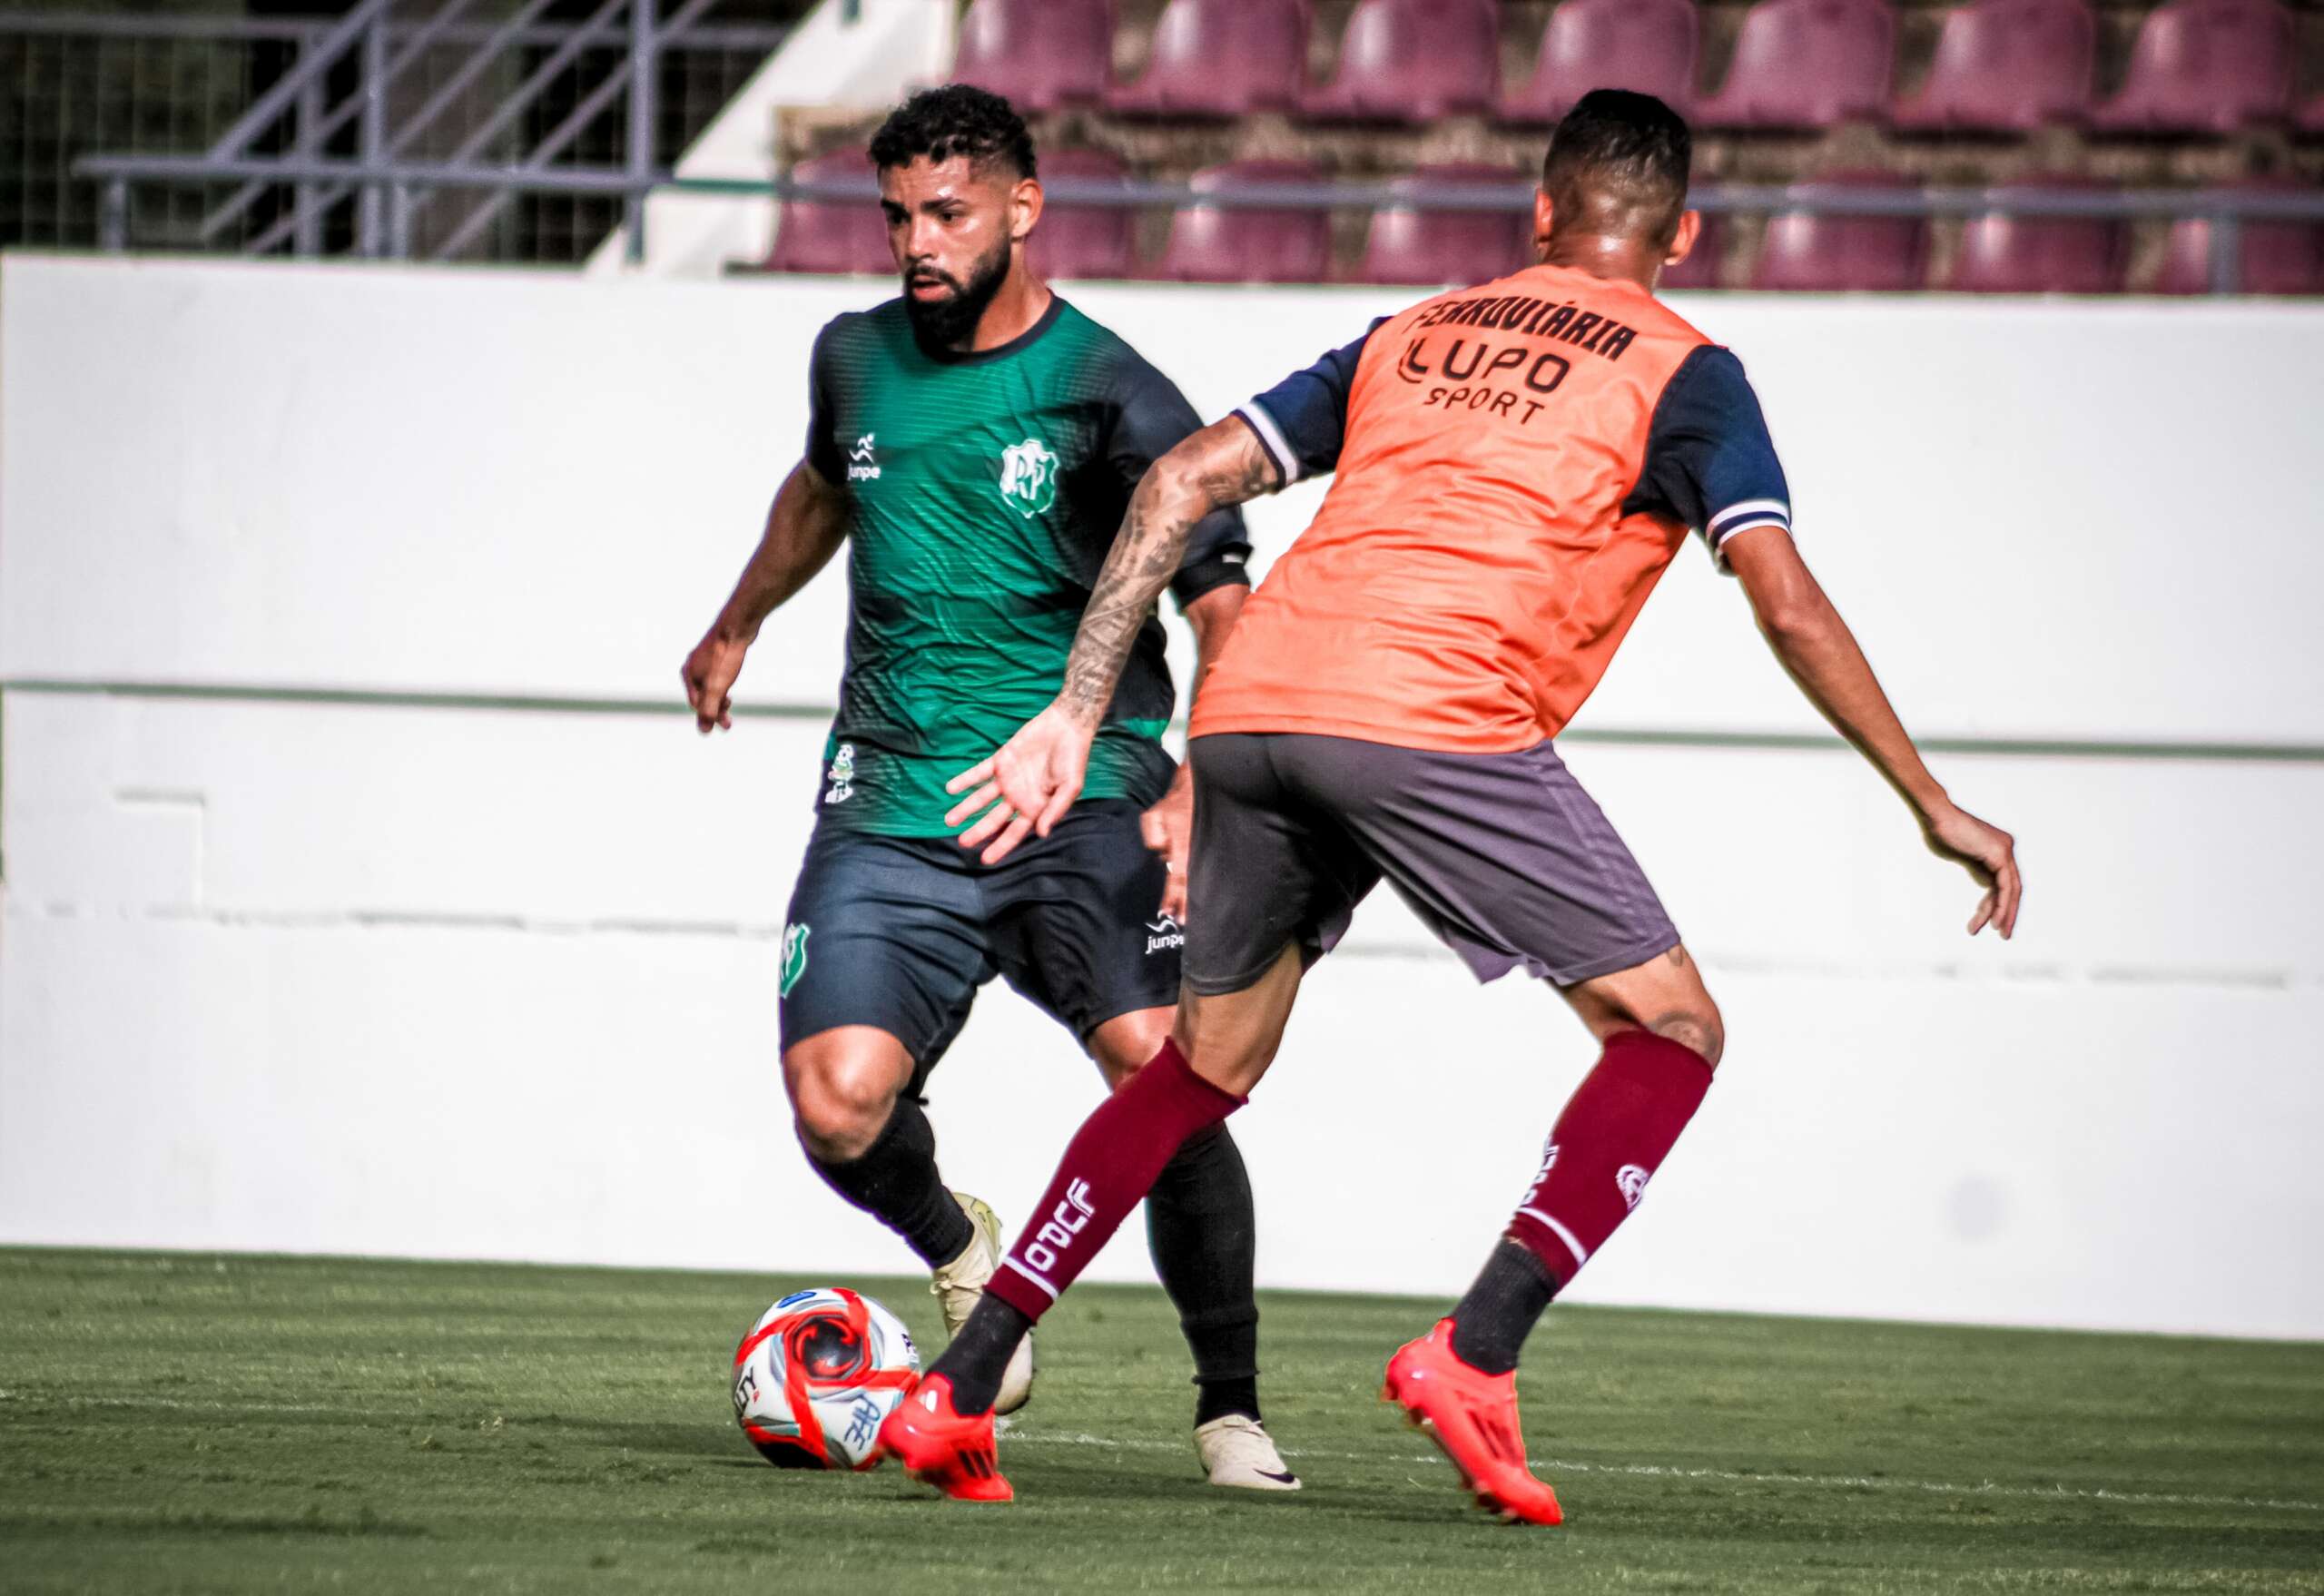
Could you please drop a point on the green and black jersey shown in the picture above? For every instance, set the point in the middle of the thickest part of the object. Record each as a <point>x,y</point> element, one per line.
<point>986,490</point>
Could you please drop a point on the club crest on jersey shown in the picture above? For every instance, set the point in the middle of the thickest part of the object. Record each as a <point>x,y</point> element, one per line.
<point>862,465</point>
<point>1632,1181</point>
<point>842,776</point>
<point>1029,477</point>
<point>1164,932</point>
<point>794,961</point>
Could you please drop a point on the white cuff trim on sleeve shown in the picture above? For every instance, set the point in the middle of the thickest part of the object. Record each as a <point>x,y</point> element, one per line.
<point>1271,438</point>
<point>1743,518</point>
<point>1755,512</point>
<point>1724,533</point>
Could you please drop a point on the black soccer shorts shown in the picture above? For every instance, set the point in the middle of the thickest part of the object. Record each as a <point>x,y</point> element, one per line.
<point>899,932</point>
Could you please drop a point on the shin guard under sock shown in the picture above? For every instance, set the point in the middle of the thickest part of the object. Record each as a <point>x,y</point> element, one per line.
<point>896,1181</point>
<point>1610,1138</point>
<point>1110,1164</point>
<point>1200,1227</point>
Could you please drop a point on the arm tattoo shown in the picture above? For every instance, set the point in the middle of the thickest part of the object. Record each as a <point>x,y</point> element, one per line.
<point>1220,466</point>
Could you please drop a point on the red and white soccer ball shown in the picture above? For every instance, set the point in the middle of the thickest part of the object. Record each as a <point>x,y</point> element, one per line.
<point>817,1373</point>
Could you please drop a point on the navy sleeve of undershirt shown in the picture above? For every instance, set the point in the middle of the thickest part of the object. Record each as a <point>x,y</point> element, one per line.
<point>1708,459</point>
<point>1301,421</point>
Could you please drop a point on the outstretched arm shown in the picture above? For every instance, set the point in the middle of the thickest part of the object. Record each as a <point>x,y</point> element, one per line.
<point>1817,648</point>
<point>804,528</point>
<point>1033,780</point>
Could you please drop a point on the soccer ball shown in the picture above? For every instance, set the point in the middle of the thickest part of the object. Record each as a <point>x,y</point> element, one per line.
<point>815,1376</point>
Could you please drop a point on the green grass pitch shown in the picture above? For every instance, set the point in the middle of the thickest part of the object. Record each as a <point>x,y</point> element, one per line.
<point>188,1423</point>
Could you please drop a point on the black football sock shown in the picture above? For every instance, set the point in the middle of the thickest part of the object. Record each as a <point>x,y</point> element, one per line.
<point>979,1356</point>
<point>1199,1225</point>
<point>896,1181</point>
<point>1491,1324</point>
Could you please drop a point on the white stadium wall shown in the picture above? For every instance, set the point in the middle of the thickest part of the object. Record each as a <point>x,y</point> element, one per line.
<point>365,893</point>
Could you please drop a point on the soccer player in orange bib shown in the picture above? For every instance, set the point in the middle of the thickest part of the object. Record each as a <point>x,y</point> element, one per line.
<point>1517,464</point>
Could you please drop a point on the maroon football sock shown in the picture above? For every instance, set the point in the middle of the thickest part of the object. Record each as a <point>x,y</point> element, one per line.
<point>1108,1167</point>
<point>1610,1138</point>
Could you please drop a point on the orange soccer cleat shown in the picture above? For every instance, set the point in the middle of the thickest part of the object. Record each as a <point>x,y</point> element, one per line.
<point>940,1445</point>
<point>1473,1416</point>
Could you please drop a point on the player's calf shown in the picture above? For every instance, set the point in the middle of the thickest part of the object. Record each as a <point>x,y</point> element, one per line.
<point>1608,1141</point>
<point>871,1145</point>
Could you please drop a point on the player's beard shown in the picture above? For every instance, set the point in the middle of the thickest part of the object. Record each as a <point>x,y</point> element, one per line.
<point>950,323</point>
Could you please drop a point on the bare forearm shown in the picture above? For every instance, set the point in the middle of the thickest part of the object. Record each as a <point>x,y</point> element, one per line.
<point>1145,556</point>
<point>804,528</point>
<point>1821,654</point>
<point>1221,464</point>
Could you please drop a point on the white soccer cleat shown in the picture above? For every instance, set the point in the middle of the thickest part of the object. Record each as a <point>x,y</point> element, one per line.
<point>960,1286</point>
<point>1237,1450</point>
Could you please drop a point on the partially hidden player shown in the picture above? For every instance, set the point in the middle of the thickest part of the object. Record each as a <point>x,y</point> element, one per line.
<point>1517,464</point>
<point>974,444</point>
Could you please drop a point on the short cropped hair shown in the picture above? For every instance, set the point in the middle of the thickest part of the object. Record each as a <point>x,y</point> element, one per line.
<point>1617,165</point>
<point>956,118</point>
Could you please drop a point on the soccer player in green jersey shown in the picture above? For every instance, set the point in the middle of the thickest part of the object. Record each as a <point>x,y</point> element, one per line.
<point>974,443</point>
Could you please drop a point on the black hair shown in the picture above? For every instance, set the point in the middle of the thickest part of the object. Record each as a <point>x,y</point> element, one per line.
<point>956,118</point>
<point>1618,165</point>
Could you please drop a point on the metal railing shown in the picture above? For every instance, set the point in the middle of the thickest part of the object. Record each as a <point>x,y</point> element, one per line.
<point>490,83</point>
<point>2226,210</point>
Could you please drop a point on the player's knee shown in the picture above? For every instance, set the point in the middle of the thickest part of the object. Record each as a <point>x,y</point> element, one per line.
<point>839,1105</point>
<point>1695,1026</point>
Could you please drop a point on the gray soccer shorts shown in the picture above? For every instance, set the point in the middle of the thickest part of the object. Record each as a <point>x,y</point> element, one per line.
<point>1503,855</point>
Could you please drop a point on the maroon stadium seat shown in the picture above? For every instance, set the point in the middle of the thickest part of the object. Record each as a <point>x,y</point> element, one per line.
<point>2006,66</point>
<point>1701,267</point>
<point>1413,60</point>
<point>1806,65</point>
<point>1040,54</point>
<point>2271,257</point>
<point>1644,45</point>
<point>1214,244</point>
<point>1222,58</point>
<point>833,235</point>
<point>1812,253</point>
<point>1427,247</point>
<point>1083,240</point>
<point>2311,117</point>
<point>2204,66</point>
<point>2005,254</point>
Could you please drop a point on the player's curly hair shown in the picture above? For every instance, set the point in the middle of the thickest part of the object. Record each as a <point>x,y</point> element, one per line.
<point>1618,165</point>
<point>956,118</point>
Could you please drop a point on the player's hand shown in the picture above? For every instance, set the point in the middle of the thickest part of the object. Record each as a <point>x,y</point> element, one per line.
<point>1168,828</point>
<point>1990,855</point>
<point>1026,788</point>
<point>709,676</point>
